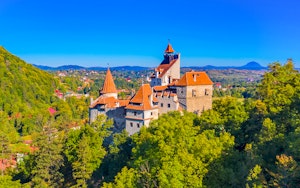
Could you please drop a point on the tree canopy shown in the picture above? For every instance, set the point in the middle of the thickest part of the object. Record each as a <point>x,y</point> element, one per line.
<point>242,142</point>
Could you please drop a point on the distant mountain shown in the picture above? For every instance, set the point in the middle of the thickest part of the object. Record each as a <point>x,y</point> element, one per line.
<point>97,68</point>
<point>252,66</point>
<point>64,67</point>
<point>42,67</point>
<point>249,66</point>
<point>76,67</point>
<point>130,68</point>
<point>71,67</point>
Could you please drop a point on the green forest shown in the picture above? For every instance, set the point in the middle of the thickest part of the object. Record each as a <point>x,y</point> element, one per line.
<point>242,142</point>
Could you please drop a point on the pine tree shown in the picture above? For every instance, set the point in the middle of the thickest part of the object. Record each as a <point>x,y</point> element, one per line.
<point>47,160</point>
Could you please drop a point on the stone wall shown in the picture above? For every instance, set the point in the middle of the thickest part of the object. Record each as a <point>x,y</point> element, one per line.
<point>117,114</point>
<point>199,98</point>
<point>181,94</point>
<point>141,118</point>
<point>94,112</point>
<point>167,104</point>
<point>175,69</point>
<point>155,82</point>
<point>150,114</point>
<point>173,73</point>
<point>133,125</point>
<point>134,113</point>
<point>195,99</point>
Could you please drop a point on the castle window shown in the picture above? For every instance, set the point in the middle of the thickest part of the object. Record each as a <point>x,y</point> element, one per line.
<point>194,93</point>
<point>161,105</point>
<point>206,92</point>
<point>169,105</point>
<point>138,125</point>
<point>134,113</point>
<point>131,124</point>
<point>151,113</point>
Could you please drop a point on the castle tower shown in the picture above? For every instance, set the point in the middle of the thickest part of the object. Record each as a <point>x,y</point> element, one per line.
<point>109,104</point>
<point>168,70</point>
<point>109,87</point>
<point>141,109</point>
<point>169,53</point>
<point>194,91</point>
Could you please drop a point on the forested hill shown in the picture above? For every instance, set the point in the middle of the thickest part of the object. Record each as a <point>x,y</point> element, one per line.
<point>25,89</point>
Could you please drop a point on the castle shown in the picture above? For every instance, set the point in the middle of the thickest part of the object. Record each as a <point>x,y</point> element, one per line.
<point>166,92</point>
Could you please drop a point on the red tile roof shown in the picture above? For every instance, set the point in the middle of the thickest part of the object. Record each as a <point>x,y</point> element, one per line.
<point>124,102</point>
<point>141,98</point>
<point>109,102</point>
<point>109,85</point>
<point>7,163</point>
<point>159,88</point>
<point>194,78</point>
<point>163,68</point>
<point>103,100</point>
<point>169,49</point>
<point>142,95</point>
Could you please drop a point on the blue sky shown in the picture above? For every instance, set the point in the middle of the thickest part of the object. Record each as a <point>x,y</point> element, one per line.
<point>135,32</point>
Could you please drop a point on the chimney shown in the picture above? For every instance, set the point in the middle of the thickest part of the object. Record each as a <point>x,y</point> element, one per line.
<point>151,98</point>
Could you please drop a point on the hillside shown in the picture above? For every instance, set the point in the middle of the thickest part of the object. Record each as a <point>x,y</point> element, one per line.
<point>26,91</point>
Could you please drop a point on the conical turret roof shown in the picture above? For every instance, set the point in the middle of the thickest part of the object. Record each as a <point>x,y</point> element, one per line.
<point>169,49</point>
<point>109,84</point>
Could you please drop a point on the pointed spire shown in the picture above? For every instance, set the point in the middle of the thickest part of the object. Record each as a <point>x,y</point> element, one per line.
<point>108,85</point>
<point>169,48</point>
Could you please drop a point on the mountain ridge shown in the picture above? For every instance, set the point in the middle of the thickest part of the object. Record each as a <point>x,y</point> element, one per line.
<point>77,67</point>
<point>249,66</point>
